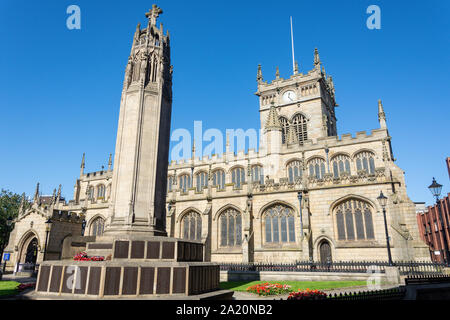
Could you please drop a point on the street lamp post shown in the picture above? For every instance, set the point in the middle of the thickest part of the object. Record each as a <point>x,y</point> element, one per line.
<point>382,200</point>
<point>9,222</point>
<point>300,197</point>
<point>47,231</point>
<point>435,189</point>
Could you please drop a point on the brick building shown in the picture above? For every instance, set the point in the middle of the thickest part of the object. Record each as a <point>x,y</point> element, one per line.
<point>432,229</point>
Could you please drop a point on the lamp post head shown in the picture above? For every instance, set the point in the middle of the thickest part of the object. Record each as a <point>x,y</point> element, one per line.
<point>9,222</point>
<point>49,224</point>
<point>382,200</point>
<point>435,189</point>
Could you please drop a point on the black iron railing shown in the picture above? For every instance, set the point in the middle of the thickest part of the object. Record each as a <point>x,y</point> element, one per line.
<point>380,295</point>
<point>393,293</point>
<point>405,267</point>
<point>427,279</point>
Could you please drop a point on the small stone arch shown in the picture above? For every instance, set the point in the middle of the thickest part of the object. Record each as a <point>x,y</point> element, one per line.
<point>24,242</point>
<point>340,153</point>
<point>235,167</point>
<point>324,237</point>
<point>363,150</point>
<point>92,220</point>
<point>194,226</point>
<point>186,211</point>
<point>183,173</point>
<point>274,202</point>
<point>218,169</point>
<point>287,162</point>
<point>314,157</point>
<point>325,249</point>
<point>225,207</point>
<point>301,114</point>
<point>337,202</point>
<point>200,171</point>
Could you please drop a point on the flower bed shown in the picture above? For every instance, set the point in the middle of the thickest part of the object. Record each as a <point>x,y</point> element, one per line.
<point>307,295</point>
<point>269,289</point>
<point>82,256</point>
<point>24,286</point>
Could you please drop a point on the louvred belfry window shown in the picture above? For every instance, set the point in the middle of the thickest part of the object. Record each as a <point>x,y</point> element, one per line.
<point>299,124</point>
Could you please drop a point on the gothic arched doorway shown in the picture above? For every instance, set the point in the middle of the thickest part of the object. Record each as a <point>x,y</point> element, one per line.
<point>325,251</point>
<point>32,251</point>
<point>29,249</point>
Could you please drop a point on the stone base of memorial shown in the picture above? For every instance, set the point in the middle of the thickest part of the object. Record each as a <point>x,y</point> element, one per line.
<point>139,267</point>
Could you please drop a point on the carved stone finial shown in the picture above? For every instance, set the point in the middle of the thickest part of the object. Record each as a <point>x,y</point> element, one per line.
<point>153,14</point>
<point>296,67</point>
<point>36,194</point>
<point>316,57</point>
<point>277,74</point>
<point>82,165</point>
<point>273,122</point>
<point>381,115</point>
<point>259,76</point>
<point>110,162</point>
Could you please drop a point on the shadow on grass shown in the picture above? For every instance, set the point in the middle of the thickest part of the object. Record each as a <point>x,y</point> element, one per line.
<point>234,285</point>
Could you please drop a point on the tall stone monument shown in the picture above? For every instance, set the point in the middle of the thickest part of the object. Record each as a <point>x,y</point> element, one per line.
<point>142,148</point>
<point>141,261</point>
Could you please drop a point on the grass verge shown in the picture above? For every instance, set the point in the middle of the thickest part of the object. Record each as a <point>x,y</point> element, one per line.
<point>295,285</point>
<point>8,288</point>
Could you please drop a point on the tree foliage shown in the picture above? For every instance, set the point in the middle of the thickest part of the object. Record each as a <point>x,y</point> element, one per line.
<point>9,208</point>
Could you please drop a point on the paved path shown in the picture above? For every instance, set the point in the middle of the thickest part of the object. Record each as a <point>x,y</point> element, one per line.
<point>12,277</point>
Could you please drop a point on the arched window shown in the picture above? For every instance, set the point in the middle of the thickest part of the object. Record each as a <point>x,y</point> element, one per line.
<point>192,226</point>
<point>316,168</point>
<point>169,183</point>
<point>279,224</point>
<point>258,174</point>
<point>219,179</point>
<point>294,169</point>
<point>108,189</point>
<point>90,193</point>
<point>238,176</point>
<point>101,192</point>
<point>341,164</point>
<point>354,220</point>
<point>284,129</point>
<point>365,161</point>
<point>299,124</point>
<point>185,182</point>
<point>230,228</point>
<point>97,227</point>
<point>202,181</point>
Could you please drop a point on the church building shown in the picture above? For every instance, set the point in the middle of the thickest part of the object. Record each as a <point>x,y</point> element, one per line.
<point>306,193</point>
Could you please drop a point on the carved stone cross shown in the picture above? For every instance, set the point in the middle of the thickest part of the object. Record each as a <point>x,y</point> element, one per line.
<point>153,14</point>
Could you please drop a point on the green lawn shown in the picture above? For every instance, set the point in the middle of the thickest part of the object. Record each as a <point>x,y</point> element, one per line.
<point>8,288</point>
<point>295,285</point>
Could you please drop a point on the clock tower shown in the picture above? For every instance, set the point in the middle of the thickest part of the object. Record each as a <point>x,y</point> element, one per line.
<point>304,104</point>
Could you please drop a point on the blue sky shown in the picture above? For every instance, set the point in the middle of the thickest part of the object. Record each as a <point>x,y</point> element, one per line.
<point>60,88</point>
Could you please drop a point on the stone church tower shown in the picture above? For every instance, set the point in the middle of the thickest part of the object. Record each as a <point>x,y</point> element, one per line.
<point>143,135</point>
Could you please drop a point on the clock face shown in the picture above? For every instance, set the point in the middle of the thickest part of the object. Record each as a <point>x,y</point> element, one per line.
<point>289,96</point>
